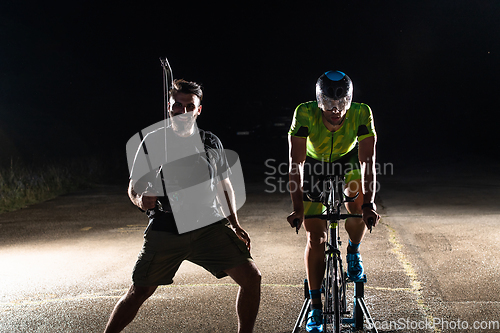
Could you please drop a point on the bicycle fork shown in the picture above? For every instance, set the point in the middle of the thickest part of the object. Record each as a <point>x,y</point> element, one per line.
<point>337,257</point>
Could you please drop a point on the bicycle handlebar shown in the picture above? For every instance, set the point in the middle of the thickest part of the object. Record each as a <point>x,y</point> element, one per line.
<point>325,217</point>
<point>337,216</point>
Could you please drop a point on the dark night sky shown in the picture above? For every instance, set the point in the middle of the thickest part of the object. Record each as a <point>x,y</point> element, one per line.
<point>79,77</point>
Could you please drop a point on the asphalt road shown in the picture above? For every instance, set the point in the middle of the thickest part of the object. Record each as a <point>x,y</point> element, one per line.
<point>432,264</point>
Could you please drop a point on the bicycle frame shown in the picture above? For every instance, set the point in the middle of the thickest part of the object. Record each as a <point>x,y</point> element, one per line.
<point>334,283</point>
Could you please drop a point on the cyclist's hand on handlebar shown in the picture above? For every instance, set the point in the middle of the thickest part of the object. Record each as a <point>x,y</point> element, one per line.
<point>295,219</point>
<point>370,217</point>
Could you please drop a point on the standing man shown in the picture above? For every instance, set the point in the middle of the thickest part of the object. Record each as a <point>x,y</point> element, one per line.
<point>331,136</point>
<point>223,250</point>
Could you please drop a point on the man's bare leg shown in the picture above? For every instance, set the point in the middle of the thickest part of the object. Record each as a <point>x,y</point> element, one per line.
<point>126,308</point>
<point>248,277</point>
<point>355,227</point>
<point>314,254</point>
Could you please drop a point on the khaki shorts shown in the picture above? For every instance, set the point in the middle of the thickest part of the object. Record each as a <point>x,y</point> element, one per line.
<point>215,248</point>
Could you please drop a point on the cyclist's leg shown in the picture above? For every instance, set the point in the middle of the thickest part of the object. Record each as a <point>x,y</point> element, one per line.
<point>355,227</point>
<point>352,179</point>
<point>314,255</point>
<point>314,259</point>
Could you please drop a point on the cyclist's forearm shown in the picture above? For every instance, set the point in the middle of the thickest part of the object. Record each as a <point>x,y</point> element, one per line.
<point>295,185</point>
<point>367,157</point>
<point>369,182</point>
<point>296,170</point>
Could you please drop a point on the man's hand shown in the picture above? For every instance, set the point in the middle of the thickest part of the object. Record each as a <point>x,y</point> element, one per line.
<point>293,217</point>
<point>370,217</point>
<point>243,235</point>
<point>147,201</point>
<point>144,201</point>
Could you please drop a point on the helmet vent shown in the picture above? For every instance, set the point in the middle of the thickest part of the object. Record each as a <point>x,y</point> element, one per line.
<point>339,92</point>
<point>335,92</point>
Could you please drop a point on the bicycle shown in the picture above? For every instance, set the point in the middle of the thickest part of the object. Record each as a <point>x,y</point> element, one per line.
<point>334,287</point>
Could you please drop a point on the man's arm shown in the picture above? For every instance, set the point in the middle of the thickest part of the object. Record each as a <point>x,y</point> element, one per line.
<point>367,156</point>
<point>143,201</point>
<point>297,158</point>
<point>226,194</point>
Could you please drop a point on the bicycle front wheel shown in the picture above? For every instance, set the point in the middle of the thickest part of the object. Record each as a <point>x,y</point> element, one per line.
<point>334,299</point>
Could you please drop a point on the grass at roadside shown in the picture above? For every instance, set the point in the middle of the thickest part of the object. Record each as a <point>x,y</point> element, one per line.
<point>22,184</point>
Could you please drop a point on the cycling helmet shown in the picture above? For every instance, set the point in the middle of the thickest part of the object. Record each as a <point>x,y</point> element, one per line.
<point>334,90</point>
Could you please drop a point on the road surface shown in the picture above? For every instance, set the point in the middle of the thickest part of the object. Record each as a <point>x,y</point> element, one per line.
<point>432,263</point>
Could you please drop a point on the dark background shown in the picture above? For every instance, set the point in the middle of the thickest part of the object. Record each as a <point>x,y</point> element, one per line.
<point>80,78</point>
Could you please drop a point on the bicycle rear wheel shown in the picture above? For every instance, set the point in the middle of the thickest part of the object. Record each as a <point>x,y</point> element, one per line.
<point>334,295</point>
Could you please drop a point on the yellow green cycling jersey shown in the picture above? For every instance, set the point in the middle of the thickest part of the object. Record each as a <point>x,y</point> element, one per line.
<point>324,145</point>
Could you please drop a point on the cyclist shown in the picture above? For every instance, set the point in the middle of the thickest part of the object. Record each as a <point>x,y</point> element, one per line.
<point>327,136</point>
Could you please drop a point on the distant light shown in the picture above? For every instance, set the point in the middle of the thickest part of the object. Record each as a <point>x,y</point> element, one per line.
<point>243,133</point>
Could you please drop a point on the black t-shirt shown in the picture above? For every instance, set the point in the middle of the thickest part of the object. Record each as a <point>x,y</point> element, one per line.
<point>191,165</point>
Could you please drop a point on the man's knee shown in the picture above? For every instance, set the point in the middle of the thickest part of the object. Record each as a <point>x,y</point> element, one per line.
<point>254,276</point>
<point>257,276</point>
<point>246,275</point>
<point>139,294</point>
<point>354,222</point>
<point>316,239</point>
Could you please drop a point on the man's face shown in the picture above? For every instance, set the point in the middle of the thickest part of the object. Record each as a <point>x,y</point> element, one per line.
<point>334,116</point>
<point>334,111</point>
<point>183,111</point>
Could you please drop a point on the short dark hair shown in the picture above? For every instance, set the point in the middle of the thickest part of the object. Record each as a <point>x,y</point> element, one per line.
<point>187,87</point>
